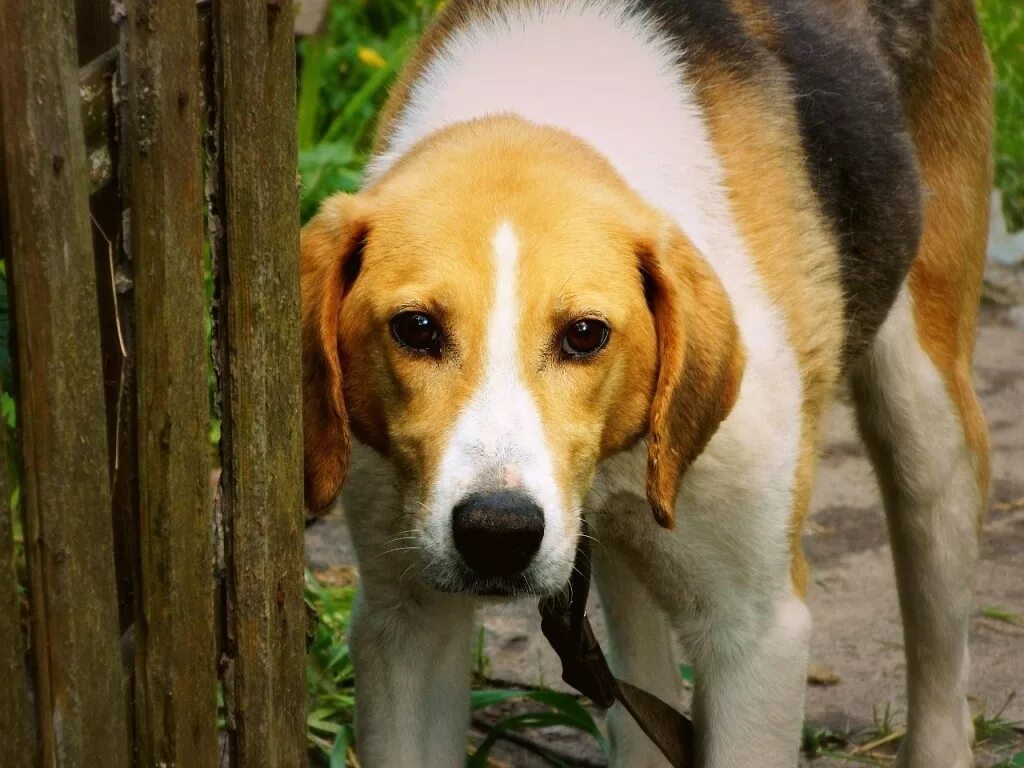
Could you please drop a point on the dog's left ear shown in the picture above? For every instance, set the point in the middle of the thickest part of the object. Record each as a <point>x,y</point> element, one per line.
<point>700,361</point>
<point>331,247</point>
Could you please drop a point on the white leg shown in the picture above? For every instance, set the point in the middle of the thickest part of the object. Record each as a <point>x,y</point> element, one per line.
<point>748,702</point>
<point>410,645</point>
<point>933,502</point>
<point>722,576</point>
<point>640,652</point>
<point>412,676</point>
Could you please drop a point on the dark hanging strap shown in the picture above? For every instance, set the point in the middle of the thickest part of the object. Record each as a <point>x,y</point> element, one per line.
<point>565,624</point>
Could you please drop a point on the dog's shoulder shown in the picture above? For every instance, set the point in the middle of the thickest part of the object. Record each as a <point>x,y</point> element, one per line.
<point>846,68</point>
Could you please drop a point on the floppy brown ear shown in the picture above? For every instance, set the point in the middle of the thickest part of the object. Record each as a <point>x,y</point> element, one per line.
<point>700,363</point>
<point>331,246</point>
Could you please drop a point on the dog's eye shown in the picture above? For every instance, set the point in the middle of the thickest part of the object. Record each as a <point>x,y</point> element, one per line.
<point>417,332</point>
<point>584,337</point>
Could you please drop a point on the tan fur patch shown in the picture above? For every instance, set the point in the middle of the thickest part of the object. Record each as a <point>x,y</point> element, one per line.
<point>758,143</point>
<point>328,242</point>
<point>757,21</point>
<point>951,123</point>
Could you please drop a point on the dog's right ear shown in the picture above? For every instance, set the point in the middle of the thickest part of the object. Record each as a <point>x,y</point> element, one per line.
<point>331,246</point>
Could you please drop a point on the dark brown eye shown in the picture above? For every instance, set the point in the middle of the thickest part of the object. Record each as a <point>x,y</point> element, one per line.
<point>418,332</point>
<point>584,337</point>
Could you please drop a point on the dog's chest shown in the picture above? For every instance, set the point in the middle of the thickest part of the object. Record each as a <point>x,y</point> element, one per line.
<point>731,541</point>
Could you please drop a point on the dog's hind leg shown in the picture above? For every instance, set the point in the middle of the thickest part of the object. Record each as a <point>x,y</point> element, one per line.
<point>640,651</point>
<point>916,404</point>
<point>933,479</point>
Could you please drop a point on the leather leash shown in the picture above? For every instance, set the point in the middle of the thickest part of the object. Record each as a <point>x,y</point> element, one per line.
<point>565,624</point>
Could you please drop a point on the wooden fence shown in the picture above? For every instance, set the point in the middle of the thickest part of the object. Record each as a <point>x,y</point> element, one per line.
<point>150,239</point>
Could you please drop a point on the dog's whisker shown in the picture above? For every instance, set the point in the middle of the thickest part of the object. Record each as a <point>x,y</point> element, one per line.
<point>393,551</point>
<point>402,577</point>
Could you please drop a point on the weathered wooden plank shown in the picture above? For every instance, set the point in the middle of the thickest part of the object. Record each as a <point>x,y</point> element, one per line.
<point>261,493</point>
<point>17,747</point>
<point>80,707</point>
<point>175,641</point>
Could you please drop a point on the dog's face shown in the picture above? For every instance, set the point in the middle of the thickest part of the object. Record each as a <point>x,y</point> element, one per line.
<point>495,315</point>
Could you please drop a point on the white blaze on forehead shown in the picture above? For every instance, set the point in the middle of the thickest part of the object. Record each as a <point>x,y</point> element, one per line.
<point>499,435</point>
<point>501,373</point>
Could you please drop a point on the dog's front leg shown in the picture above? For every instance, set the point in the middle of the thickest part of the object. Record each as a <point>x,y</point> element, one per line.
<point>410,645</point>
<point>411,655</point>
<point>640,652</point>
<point>751,675</point>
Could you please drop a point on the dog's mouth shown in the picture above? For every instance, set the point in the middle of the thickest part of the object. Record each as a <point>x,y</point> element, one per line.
<point>453,576</point>
<point>465,581</point>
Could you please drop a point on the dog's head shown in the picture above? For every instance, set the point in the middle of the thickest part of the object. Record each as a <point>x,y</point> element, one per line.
<point>495,315</point>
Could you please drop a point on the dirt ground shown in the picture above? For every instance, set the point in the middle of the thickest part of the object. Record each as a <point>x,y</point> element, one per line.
<point>857,634</point>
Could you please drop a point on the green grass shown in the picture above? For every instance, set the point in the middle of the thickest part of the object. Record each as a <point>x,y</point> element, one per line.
<point>995,727</point>
<point>1016,761</point>
<point>1003,24</point>
<point>1005,615</point>
<point>329,674</point>
<point>884,723</point>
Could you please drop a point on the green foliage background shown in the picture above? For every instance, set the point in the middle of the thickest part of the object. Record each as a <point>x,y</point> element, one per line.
<point>344,78</point>
<point>1003,24</point>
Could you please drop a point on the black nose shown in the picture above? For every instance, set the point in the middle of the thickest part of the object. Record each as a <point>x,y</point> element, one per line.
<point>497,533</point>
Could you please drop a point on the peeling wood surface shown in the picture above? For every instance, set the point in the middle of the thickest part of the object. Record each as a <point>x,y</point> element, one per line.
<point>256,205</point>
<point>80,703</point>
<point>175,649</point>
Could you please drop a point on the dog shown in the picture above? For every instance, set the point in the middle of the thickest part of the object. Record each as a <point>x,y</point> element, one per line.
<point>615,259</point>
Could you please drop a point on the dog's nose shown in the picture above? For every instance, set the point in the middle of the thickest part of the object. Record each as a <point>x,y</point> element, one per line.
<point>497,533</point>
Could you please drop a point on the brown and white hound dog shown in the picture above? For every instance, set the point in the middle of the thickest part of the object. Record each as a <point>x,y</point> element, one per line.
<point>615,258</point>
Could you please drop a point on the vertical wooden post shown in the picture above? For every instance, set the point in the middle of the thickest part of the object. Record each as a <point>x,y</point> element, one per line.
<point>259,364</point>
<point>65,482</point>
<point>175,648</point>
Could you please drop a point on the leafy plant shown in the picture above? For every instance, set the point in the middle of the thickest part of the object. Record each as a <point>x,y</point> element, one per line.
<point>1003,24</point>
<point>344,78</point>
<point>1016,761</point>
<point>329,674</point>
<point>331,683</point>
<point>995,727</point>
<point>559,709</point>
<point>817,741</point>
